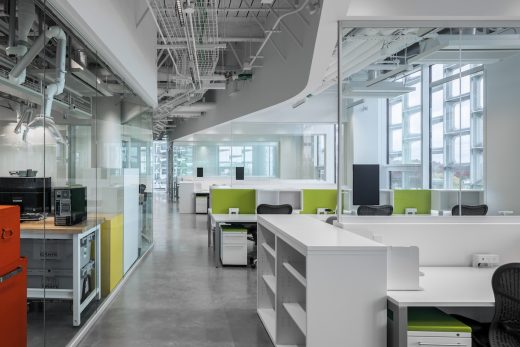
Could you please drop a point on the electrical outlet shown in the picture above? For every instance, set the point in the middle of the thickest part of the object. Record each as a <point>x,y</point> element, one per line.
<point>234,210</point>
<point>485,260</point>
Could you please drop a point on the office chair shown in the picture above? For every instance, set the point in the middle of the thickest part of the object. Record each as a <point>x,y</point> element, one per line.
<point>470,210</point>
<point>375,210</point>
<point>330,220</point>
<point>252,235</point>
<point>504,330</point>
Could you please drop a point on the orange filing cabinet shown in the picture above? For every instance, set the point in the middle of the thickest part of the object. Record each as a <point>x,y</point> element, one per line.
<point>13,280</point>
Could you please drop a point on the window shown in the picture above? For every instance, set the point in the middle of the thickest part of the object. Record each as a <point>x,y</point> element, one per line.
<point>456,118</point>
<point>404,124</point>
<point>258,159</point>
<point>405,135</point>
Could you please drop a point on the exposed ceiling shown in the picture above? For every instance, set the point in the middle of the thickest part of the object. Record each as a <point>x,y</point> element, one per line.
<point>206,45</point>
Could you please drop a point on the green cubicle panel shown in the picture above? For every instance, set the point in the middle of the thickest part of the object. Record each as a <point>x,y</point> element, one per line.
<point>317,198</point>
<point>421,199</point>
<point>224,199</point>
<point>433,319</point>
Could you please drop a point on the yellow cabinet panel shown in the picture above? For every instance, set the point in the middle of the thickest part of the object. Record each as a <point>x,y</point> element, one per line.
<point>111,253</point>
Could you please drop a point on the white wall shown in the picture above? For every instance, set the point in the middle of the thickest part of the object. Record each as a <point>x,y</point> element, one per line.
<point>110,26</point>
<point>503,135</point>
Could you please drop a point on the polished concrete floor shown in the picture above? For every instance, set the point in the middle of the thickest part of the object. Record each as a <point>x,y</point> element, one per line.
<point>177,297</point>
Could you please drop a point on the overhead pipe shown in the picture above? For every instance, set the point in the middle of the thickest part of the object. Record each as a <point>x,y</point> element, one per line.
<point>57,87</point>
<point>270,32</point>
<point>26,18</point>
<point>12,24</point>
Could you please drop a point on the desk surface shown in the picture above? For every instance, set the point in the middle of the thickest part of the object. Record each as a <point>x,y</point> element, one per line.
<point>308,234</point>
<point>234,218</point>
<point>449,286</point>
<point>48,226</point>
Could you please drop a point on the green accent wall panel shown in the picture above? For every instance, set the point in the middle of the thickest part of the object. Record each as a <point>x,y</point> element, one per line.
<point>223,199</point>
<point>317,198</point>
<point>420,199</point>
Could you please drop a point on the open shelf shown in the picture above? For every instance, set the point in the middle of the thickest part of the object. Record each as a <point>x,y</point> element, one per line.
<point>296,274</point>
<point>270,280</point>
<point>269,249</point>
<point>298,314</point>
<point>268,317</point>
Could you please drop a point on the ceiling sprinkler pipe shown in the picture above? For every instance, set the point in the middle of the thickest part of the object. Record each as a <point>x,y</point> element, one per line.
<point>270,32</point>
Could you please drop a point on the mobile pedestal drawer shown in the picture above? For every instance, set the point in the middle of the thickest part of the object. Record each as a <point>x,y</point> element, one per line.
<point>233,245</point>
<point>432,327</point>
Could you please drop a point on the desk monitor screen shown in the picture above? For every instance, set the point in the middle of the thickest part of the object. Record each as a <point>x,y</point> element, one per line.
<point>365,184</point>
<point>32,194</point>
<point>239,173</point>
<point>200,172</point>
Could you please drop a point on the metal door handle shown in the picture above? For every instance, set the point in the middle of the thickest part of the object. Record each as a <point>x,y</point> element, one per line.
<point>440,344</point>
<point>7,233</point>
<point>10,274</point>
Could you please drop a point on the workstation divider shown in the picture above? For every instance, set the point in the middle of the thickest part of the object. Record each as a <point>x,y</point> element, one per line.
<point>446,248</point>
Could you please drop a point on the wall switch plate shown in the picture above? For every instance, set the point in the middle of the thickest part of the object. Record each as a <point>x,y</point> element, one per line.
<point>410,210</point>
<point>234,210</point>
<point>483,260</point>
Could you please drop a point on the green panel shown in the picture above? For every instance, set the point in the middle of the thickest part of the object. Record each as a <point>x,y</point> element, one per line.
<point>232,229</point>
<point>223,199</point>
<point>315,198</point>
<point>419,199</point>
<point>432,319</point>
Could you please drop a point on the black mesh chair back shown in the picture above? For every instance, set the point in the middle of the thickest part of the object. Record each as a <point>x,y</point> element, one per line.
<point>505,327</point>
<point>274,209</point>
<point>470,210</point>
<point>375,210</point>
<point>330,220</point>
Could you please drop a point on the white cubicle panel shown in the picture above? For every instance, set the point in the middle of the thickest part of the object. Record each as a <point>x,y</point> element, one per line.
<point>444,241</point>
<point>445,199</point>
<point>131,234</point>
<point>293,197</point>
<point>187,197</point>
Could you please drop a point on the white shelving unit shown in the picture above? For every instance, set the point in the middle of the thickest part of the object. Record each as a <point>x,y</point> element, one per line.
<point>445,199</point>
<point>293,197</point>
<point>319,285</point>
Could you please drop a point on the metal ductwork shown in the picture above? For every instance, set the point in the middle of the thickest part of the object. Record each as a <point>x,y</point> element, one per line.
<point>26,18</point>
<point>55,88</point>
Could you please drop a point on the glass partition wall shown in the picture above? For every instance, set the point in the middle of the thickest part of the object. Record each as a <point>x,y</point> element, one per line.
<point>267,152</point>
<point>434,109</point>
<point>76,153</point>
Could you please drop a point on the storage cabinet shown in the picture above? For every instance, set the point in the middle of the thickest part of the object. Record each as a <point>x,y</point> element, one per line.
<point>233,245</point>
<point>316,281</point>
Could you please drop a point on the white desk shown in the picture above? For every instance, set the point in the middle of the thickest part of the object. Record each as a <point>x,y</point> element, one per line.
<point>442,287</point>
<point>217,219</point>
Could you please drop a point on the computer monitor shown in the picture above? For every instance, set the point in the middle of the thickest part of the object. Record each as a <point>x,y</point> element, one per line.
<point>32,194</point>
<point>239,173</point>
<point>365,184</point>
<point>200,172</point>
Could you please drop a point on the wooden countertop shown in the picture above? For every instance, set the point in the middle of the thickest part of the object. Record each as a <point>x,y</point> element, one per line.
<point>48,226</point>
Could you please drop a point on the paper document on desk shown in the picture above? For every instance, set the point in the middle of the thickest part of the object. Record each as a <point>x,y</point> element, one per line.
<point>403,268</point>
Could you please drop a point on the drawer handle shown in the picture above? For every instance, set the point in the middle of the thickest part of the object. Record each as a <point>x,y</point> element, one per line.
<point>439,344</point>
<point>10,274</point>
<point>7,234</point>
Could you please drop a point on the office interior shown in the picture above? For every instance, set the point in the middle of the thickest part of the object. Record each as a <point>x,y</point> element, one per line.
<point>358,169</point>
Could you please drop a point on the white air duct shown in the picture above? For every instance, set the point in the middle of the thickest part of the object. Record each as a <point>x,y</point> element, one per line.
<point>55,88</point>
<point>26,17</point>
